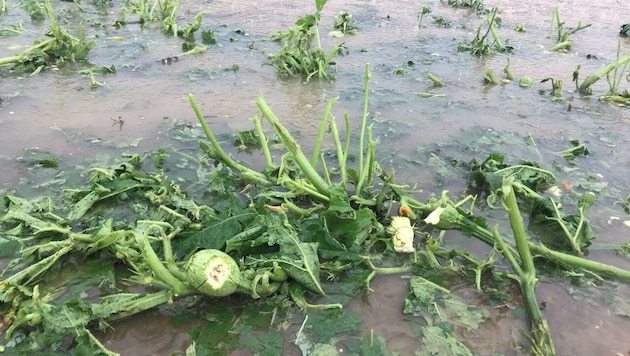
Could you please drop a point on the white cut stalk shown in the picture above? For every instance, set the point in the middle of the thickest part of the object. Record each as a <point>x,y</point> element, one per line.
<point>213,273</point>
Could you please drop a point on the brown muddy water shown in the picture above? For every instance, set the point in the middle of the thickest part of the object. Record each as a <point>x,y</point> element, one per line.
<point>58,112</point>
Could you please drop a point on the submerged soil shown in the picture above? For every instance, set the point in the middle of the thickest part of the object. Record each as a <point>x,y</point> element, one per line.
<point>57,111</point>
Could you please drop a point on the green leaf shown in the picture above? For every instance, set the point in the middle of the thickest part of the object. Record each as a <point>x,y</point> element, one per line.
<point>270,343</point>
<point>437,341</point>
<point>41,158</point>
<point>373,346</point>
<point>298,259</point>
<point>489,174</point>
<point>215,232</point>
<point>578,149</point>
<point>441,312</point>
<point>349,226</point>
<point>319,5</point>
<point>216,336</point>
<point>315,229</point>
<point>21,210</point>
<point>325,325</point>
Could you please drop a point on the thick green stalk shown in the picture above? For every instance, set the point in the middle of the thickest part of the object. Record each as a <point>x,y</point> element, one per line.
<point>591,79</point>
<point>580,262</point>
<point>43,46</point>
<point>506,251</point>
<point>341,155</point>
<point>436,81</point>
<point>480,41</point>
<point>370,157</point>
<point>294,148</point>
<point>543,343</point>
<point>263,140</point>
<point>161,272</point>
<point>348,138</point>
<point>303,188</point>
<point>518,227</point>
<point>495,36</point>
<point>217,147</point>
<point>363,127</point>
<point>322,131</point>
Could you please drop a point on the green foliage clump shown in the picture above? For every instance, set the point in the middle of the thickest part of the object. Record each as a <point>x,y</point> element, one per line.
<point>299,55</point>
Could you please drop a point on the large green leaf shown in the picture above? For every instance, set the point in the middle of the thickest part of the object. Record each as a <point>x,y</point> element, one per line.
<point>299,259</point>
<point>216,231</point>
<point>349,226</point>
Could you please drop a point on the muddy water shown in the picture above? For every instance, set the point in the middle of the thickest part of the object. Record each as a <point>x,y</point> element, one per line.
<point>57,111</point>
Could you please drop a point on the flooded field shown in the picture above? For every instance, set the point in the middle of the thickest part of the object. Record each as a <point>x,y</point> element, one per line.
<point>143,104</point>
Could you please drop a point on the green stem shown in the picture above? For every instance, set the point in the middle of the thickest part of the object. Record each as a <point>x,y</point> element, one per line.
<point>402,269</point>
<point>169,258</point>
<point>562,45</point>
<point>263,140</point>
<point>495,36</point>
<point>322,131</point>
<point>518,227</point>
<point>490,77</point>
<point>156,266</point>
<point>341,155</point>
<point>293,208</point>
<point>346,148</point>
<point>43,46</point>
<point>363,127</point>
<point>509,75</point>
<point>294,148</point>
<point>543,343</point>
<point>217,147</point>
<point>591,79</point>
<point>326,172</point>
<point>436,81</point>
<point>580,262</point>
<point>303,188</point>
<point>482,39</point>
<point>506,251</point>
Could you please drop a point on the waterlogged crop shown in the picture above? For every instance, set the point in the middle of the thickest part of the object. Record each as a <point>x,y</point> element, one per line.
<point>61,47</point>
<point>278,236</point>
<point>299,56</point>
<point>563,34</point>
<point>306,232</point>
<point>481,44</point>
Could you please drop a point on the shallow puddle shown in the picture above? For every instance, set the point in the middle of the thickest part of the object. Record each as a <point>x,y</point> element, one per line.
<point>58,112</point>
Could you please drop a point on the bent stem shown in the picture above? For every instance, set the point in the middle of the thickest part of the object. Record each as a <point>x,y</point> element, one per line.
<point>217,147</point>
<point>580,262</point>
<point>526,273</point>
<point>591,79</point>
<point>294,148</point>
<point>178,287</point>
